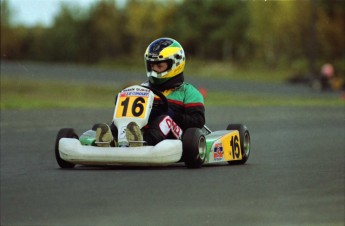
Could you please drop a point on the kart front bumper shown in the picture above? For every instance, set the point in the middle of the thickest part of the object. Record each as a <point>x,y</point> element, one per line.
<point>164,153</point>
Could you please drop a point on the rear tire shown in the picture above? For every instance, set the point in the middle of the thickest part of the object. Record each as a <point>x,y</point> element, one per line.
<point>64,133</point>
<point>244,142</point>
<point>194,148</point>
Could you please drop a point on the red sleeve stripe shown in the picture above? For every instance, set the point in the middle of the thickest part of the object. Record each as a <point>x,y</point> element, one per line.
<point>185,105</point>
<point>171,101</point>
<point>176,102</point>
<point>194,105</point>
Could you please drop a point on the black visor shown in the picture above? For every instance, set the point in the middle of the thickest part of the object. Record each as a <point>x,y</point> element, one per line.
<point>149,63</point>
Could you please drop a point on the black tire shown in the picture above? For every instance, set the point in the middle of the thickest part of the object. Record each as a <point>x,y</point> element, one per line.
<point>64,133</point>
<point>194,148</point>
<point>244,142</point>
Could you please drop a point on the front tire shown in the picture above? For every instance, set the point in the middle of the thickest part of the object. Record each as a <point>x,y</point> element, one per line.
<point>64,133</point>
<point>244,142</point>
<point>194,148</point>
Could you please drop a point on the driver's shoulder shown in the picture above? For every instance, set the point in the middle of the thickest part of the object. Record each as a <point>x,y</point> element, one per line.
<point>188,87</point>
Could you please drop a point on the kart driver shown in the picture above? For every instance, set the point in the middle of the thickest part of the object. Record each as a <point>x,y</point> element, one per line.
<point>165,62</point>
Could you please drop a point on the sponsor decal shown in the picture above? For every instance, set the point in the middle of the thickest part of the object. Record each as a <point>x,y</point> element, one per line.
<point>164,126</point>
<point>218,152</point>
<point>167,125</point>
<point>139,92</point>
<point>175,129</point>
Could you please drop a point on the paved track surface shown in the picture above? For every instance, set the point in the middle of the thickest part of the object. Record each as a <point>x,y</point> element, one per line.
<point>294,176</point>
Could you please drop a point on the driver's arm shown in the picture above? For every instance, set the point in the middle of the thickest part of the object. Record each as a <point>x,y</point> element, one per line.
<point>190,112</point>
<point>193,116</point>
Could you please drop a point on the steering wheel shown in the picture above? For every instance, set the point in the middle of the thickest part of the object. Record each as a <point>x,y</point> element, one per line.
<point>164,106</point>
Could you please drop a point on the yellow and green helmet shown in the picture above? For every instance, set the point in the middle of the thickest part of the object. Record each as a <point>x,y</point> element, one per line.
<point>164,50</point>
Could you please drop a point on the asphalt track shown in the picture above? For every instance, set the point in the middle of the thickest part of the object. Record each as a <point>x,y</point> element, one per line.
<point>294,176</point>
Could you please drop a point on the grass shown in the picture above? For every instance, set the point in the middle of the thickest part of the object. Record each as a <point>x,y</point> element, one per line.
<point>30,94</point>
<point>224,70</point>
<point>259,100</point>
<point>212,69</point>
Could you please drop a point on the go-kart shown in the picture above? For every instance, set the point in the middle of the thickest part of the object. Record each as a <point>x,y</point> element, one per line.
<point>134,104</point>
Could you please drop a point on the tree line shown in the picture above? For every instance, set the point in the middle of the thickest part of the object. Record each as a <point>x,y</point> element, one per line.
<point>270,32</point>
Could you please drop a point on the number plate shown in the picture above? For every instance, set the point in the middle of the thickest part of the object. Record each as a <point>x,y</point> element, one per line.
<point>132,104</point>
<point>232,147</point>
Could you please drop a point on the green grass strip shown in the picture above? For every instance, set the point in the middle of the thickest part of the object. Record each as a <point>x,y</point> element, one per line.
<point>30,94</point>
<point>259,99</point>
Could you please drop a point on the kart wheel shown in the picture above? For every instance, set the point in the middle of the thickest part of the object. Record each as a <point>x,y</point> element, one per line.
<point>194,148</point>
<point>64,133</point>
<point>244,142</point>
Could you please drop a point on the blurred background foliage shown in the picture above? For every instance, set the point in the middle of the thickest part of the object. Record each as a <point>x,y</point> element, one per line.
<point>299,35</point>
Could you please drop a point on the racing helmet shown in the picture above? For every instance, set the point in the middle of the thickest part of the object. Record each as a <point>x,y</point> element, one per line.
<point>164,50</point>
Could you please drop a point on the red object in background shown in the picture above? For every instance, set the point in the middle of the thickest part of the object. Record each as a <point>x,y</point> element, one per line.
<point>203,91</point>
<point>342,96</point>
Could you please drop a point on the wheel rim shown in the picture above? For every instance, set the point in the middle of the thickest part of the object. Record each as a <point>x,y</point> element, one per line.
<point>246,144</point>
<point>202,147</point>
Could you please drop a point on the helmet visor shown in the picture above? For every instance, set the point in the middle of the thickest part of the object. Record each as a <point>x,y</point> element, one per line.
<point>159,66</point>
